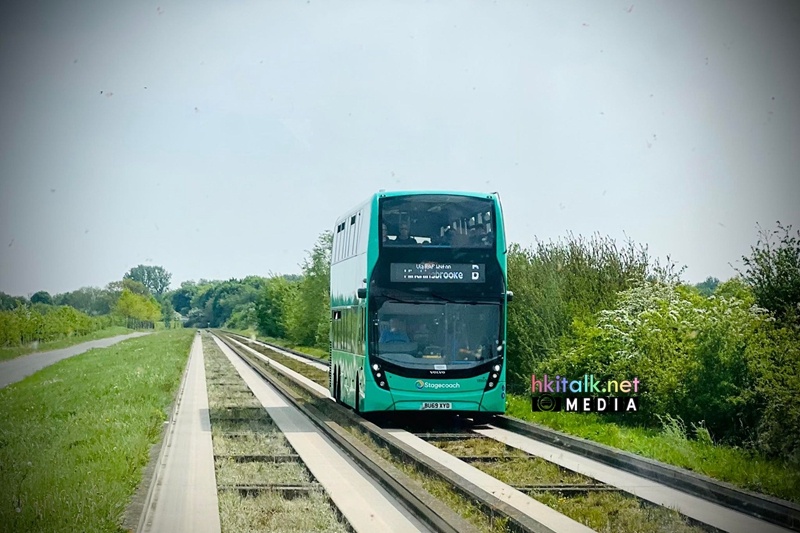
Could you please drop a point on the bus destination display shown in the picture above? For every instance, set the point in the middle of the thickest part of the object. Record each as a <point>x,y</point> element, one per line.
<point>438,272</point>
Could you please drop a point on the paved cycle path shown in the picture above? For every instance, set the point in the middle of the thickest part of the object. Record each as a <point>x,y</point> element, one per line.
<point>22,367</point>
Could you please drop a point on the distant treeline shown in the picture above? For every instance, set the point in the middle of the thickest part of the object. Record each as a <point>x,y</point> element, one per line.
<point>137,301</point>
<point>291,307</point>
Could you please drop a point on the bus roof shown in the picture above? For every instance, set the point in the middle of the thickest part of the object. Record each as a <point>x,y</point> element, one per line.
<point>437,192</point>
<point>393,194</point>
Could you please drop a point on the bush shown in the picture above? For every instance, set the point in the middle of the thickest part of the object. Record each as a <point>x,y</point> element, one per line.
<point>689,353</point>
<point>718,363</point>
<point>557,287</point>
<point>773,273</point>
<point>43,323</point>
<point>772,360</point>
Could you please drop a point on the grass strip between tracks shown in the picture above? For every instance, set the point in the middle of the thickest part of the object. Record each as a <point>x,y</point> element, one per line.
<point>76,436</point>
<point>437,488</point>
<point>283,343</point>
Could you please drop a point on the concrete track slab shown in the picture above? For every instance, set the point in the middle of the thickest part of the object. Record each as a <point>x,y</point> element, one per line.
<point>701,510</point>
<point>364,503</point>
<point>22,367</point>
<point>288,371</point>
<point>511,496</point>
<point>185,495</point>
<point>293,356</point>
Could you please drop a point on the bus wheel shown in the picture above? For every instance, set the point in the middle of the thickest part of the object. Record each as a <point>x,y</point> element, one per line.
<point>481,419</point>
<point>337,385</point>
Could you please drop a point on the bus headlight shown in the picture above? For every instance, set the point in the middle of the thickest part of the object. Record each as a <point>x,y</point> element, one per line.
<point>493,378</point>
<point>378,376</point>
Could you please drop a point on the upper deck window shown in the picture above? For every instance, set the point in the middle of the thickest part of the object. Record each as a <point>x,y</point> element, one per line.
<point>448,221</point>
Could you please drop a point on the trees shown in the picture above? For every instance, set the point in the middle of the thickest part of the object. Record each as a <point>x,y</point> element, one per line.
<point>271,306</point>
<point>214,303</point>
<point>8,302</point>
<point>136,287</point>
<point>773,273</point>
<point>155,278</point>
<point>42,297</point>
<point>707,287</point>
<point>167,312</point>
<point>137,307</point>
<point>182,298</point>
<point>689,351</point>
<point>40,322</point>
<point>230,295</point>
<point>89,300</point>
<point>308,313</point>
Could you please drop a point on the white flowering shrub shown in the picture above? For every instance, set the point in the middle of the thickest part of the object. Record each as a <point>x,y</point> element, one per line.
<point>689,353</point>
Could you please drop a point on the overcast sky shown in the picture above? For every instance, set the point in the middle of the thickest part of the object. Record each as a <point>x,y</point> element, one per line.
<point>218,139</point>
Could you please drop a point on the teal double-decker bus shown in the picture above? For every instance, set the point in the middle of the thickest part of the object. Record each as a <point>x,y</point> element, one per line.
<point>418,304</point>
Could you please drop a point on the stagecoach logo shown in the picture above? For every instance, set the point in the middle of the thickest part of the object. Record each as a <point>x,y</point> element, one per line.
<point>428,385</point>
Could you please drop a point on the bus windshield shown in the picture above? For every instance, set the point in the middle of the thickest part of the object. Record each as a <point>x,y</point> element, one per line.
<point>447,221</point>
<point>437,335</point>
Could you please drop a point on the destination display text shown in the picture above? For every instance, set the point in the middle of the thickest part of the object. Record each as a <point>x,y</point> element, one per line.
<point>438,272</point>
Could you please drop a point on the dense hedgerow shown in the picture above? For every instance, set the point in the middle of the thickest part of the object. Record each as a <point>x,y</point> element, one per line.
<point>725,362</point>
<point>557,287</point>
<point>718,363</point>
<point>43,323</point>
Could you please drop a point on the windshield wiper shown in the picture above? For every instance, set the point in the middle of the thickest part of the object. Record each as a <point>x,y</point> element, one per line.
<point>463,301</point>
<point>396,299</point>
<point>445,298</point>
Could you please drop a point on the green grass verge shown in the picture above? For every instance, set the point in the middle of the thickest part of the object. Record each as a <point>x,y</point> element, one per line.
<point>314,374</point>
<point>607,511</point>
<point>75,437</point>
<point>17,351</point>
<point>315,352</point>
<point>272,512</point>
<point>737,466</point>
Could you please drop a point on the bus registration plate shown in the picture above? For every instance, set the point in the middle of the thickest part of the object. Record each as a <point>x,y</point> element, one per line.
<point>436,405</point>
